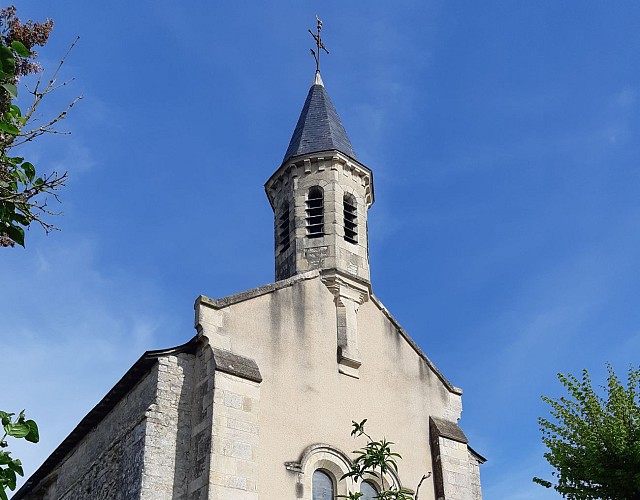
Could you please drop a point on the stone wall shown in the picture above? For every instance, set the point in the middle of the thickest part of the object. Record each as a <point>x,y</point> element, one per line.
<point>168,430</point>
<point>454,460</point>
<point>140,449</point>
<point>201,422</point>
<point>289,329</point>
<point>456,468</point>
<point>188,430</point>
<point>474,476</point>
<point>337,175</point>
<point>234,449</point>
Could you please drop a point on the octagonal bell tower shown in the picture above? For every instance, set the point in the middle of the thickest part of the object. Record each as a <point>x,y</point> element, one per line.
<point>320,196</point>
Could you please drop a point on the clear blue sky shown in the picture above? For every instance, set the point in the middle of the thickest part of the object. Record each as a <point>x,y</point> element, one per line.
<point>505,237</point>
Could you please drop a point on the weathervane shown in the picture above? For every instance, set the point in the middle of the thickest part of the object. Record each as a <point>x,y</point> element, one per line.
<point>319,44</point>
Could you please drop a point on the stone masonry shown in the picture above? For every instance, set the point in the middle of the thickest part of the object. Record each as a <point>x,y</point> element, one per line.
<point>234,449</point>
<point>337,175</point>
<point>108,463</point>
<point>456,466</point>
<point>187,430</point>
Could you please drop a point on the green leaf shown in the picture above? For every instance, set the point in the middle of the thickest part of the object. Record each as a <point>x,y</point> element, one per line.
<point>5,417</point>
<point>16,233</point>
<point>12,89</point>
<point>16,466</point>
<point>20,49</point>
<point>7,60</point>
<point>15,110</point>
<point>9,128</point>
<point>5,458</point>
<point>10,477</point>
<point>20,175</point>
<point>21,219</point>
<point>3,494</point>
<point>33,436</point>
<point>29,169</point>
<point>18,429</point>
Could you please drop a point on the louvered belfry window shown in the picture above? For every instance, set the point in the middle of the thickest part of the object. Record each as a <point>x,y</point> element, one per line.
<point>284,239</point>
<point>315,212</point>
<point>350,219</point>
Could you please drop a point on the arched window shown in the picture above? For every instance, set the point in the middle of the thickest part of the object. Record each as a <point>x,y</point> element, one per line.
<point>350,219</point>
<point>322,486</point>
<point>315,212</point>
<point>283,228</point>
<point>368,490</point>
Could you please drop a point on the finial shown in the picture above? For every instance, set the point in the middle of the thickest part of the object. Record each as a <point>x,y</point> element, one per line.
<point>319,46</point>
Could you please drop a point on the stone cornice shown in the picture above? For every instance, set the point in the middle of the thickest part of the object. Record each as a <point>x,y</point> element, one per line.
<point>345,286</point>
<point>300,165</point>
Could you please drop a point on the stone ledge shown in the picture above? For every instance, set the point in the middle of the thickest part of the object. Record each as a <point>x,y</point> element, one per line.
<point>447,429</point>
<point>234,364</point>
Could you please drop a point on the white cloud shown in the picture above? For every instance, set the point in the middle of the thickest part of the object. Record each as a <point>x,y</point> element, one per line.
<point>69,333</point>
<point>626,98</point>
<point>516,481</point>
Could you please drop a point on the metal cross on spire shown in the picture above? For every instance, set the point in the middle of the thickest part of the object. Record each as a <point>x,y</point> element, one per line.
<point>319,44</point>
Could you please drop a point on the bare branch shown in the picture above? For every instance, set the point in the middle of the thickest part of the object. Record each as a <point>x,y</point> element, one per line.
<point>50,87</point>
<point>425,477</point>
<point>59,67</point>
<point>29,135</point>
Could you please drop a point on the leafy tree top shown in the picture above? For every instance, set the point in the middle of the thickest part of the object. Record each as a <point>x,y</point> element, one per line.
<point>594,438</point>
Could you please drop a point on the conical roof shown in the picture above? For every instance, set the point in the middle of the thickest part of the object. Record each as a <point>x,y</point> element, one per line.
<point>319,127</point>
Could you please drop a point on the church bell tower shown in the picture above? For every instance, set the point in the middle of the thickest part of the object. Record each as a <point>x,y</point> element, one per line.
<point>320,196</point>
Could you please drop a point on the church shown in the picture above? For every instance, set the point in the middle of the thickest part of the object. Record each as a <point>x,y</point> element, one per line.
<point>259,403</point>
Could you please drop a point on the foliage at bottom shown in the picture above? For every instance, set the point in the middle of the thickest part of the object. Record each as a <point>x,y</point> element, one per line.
<point>594,439</point>
<point>20,428</point>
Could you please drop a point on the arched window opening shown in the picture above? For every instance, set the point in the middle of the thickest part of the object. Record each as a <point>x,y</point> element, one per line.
<point>283,228</point>
<point>322,486</point>
<point>350,219</point>
<point>368,490</point>
<point>315,212</point>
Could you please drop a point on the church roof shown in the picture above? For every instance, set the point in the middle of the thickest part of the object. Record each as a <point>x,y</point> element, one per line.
<point>319,127</point>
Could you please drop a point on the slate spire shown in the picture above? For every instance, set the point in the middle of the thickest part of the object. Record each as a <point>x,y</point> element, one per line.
<point>319,127</point>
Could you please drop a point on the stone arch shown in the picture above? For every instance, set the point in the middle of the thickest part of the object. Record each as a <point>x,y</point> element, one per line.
<point>334,462</point>
<point>326,458</point>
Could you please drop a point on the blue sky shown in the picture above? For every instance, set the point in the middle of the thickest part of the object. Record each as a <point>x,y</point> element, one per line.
<point>505,236</point>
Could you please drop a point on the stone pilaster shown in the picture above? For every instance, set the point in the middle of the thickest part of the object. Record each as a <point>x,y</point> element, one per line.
<point>348,295</point>
<point>234,447</point>
<point>168,431</point>
<point>455,468</point>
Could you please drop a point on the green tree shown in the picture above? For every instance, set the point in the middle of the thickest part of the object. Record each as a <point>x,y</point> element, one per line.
<point>20,428</point>
<point>376,459</point>
<point>23,193</point>
<point>594,439</point>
